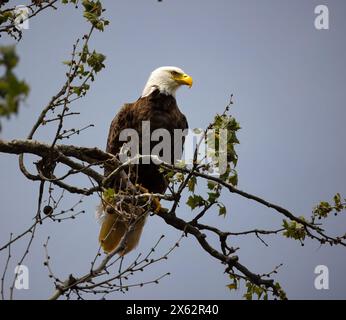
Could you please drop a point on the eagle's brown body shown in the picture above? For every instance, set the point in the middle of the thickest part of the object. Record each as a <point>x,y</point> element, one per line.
<point>162,112</point>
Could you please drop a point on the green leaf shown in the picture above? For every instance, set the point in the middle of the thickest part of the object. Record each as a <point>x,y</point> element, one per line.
<point>12,90</point>
<point>96,60</point>
<point>67,62</point>
<point>213,196</point>
<point>92,12</point>
<point>211,185</point>
<point>294,230</point>
<point>179,176</point>
<point>84,53</point>
<point>109,195</point>
<point>248,296</point>
<point>5,16</point>
<point>222,210</point>
<point>232,286</point>
<point>233,180</point>
<point>195,201</point>
<point>192,184</point>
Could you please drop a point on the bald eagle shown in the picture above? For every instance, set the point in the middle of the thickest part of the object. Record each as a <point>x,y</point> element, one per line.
<point>157,105</point>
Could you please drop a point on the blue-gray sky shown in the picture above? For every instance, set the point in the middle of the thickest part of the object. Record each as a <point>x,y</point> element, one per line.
<point>289,84</point>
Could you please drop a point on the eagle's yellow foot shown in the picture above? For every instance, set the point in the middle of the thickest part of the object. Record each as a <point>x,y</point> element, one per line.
<point>157,205</point>
<point>155,201</point>
<point>141,188</point>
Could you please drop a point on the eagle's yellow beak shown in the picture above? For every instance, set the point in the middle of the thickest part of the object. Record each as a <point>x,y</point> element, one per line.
<point>184,79</point>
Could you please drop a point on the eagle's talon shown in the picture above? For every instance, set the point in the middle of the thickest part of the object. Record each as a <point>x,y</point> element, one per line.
<point>155,201</point>
<point>157,205</point>
<point>141,188</point>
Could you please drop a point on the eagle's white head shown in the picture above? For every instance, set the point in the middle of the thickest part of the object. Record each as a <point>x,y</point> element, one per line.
<point>167,80</point>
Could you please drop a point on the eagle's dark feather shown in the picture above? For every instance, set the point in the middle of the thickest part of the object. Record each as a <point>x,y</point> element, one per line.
<point>163,113</point>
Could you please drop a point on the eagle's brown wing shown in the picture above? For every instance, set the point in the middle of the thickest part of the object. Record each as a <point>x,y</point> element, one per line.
<point>163,113</point>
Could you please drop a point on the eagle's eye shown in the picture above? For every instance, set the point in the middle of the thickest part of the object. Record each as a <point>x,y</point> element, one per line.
<point>174,73</point>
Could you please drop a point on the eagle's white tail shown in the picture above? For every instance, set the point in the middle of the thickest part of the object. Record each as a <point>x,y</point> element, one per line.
<point>114,227</point>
